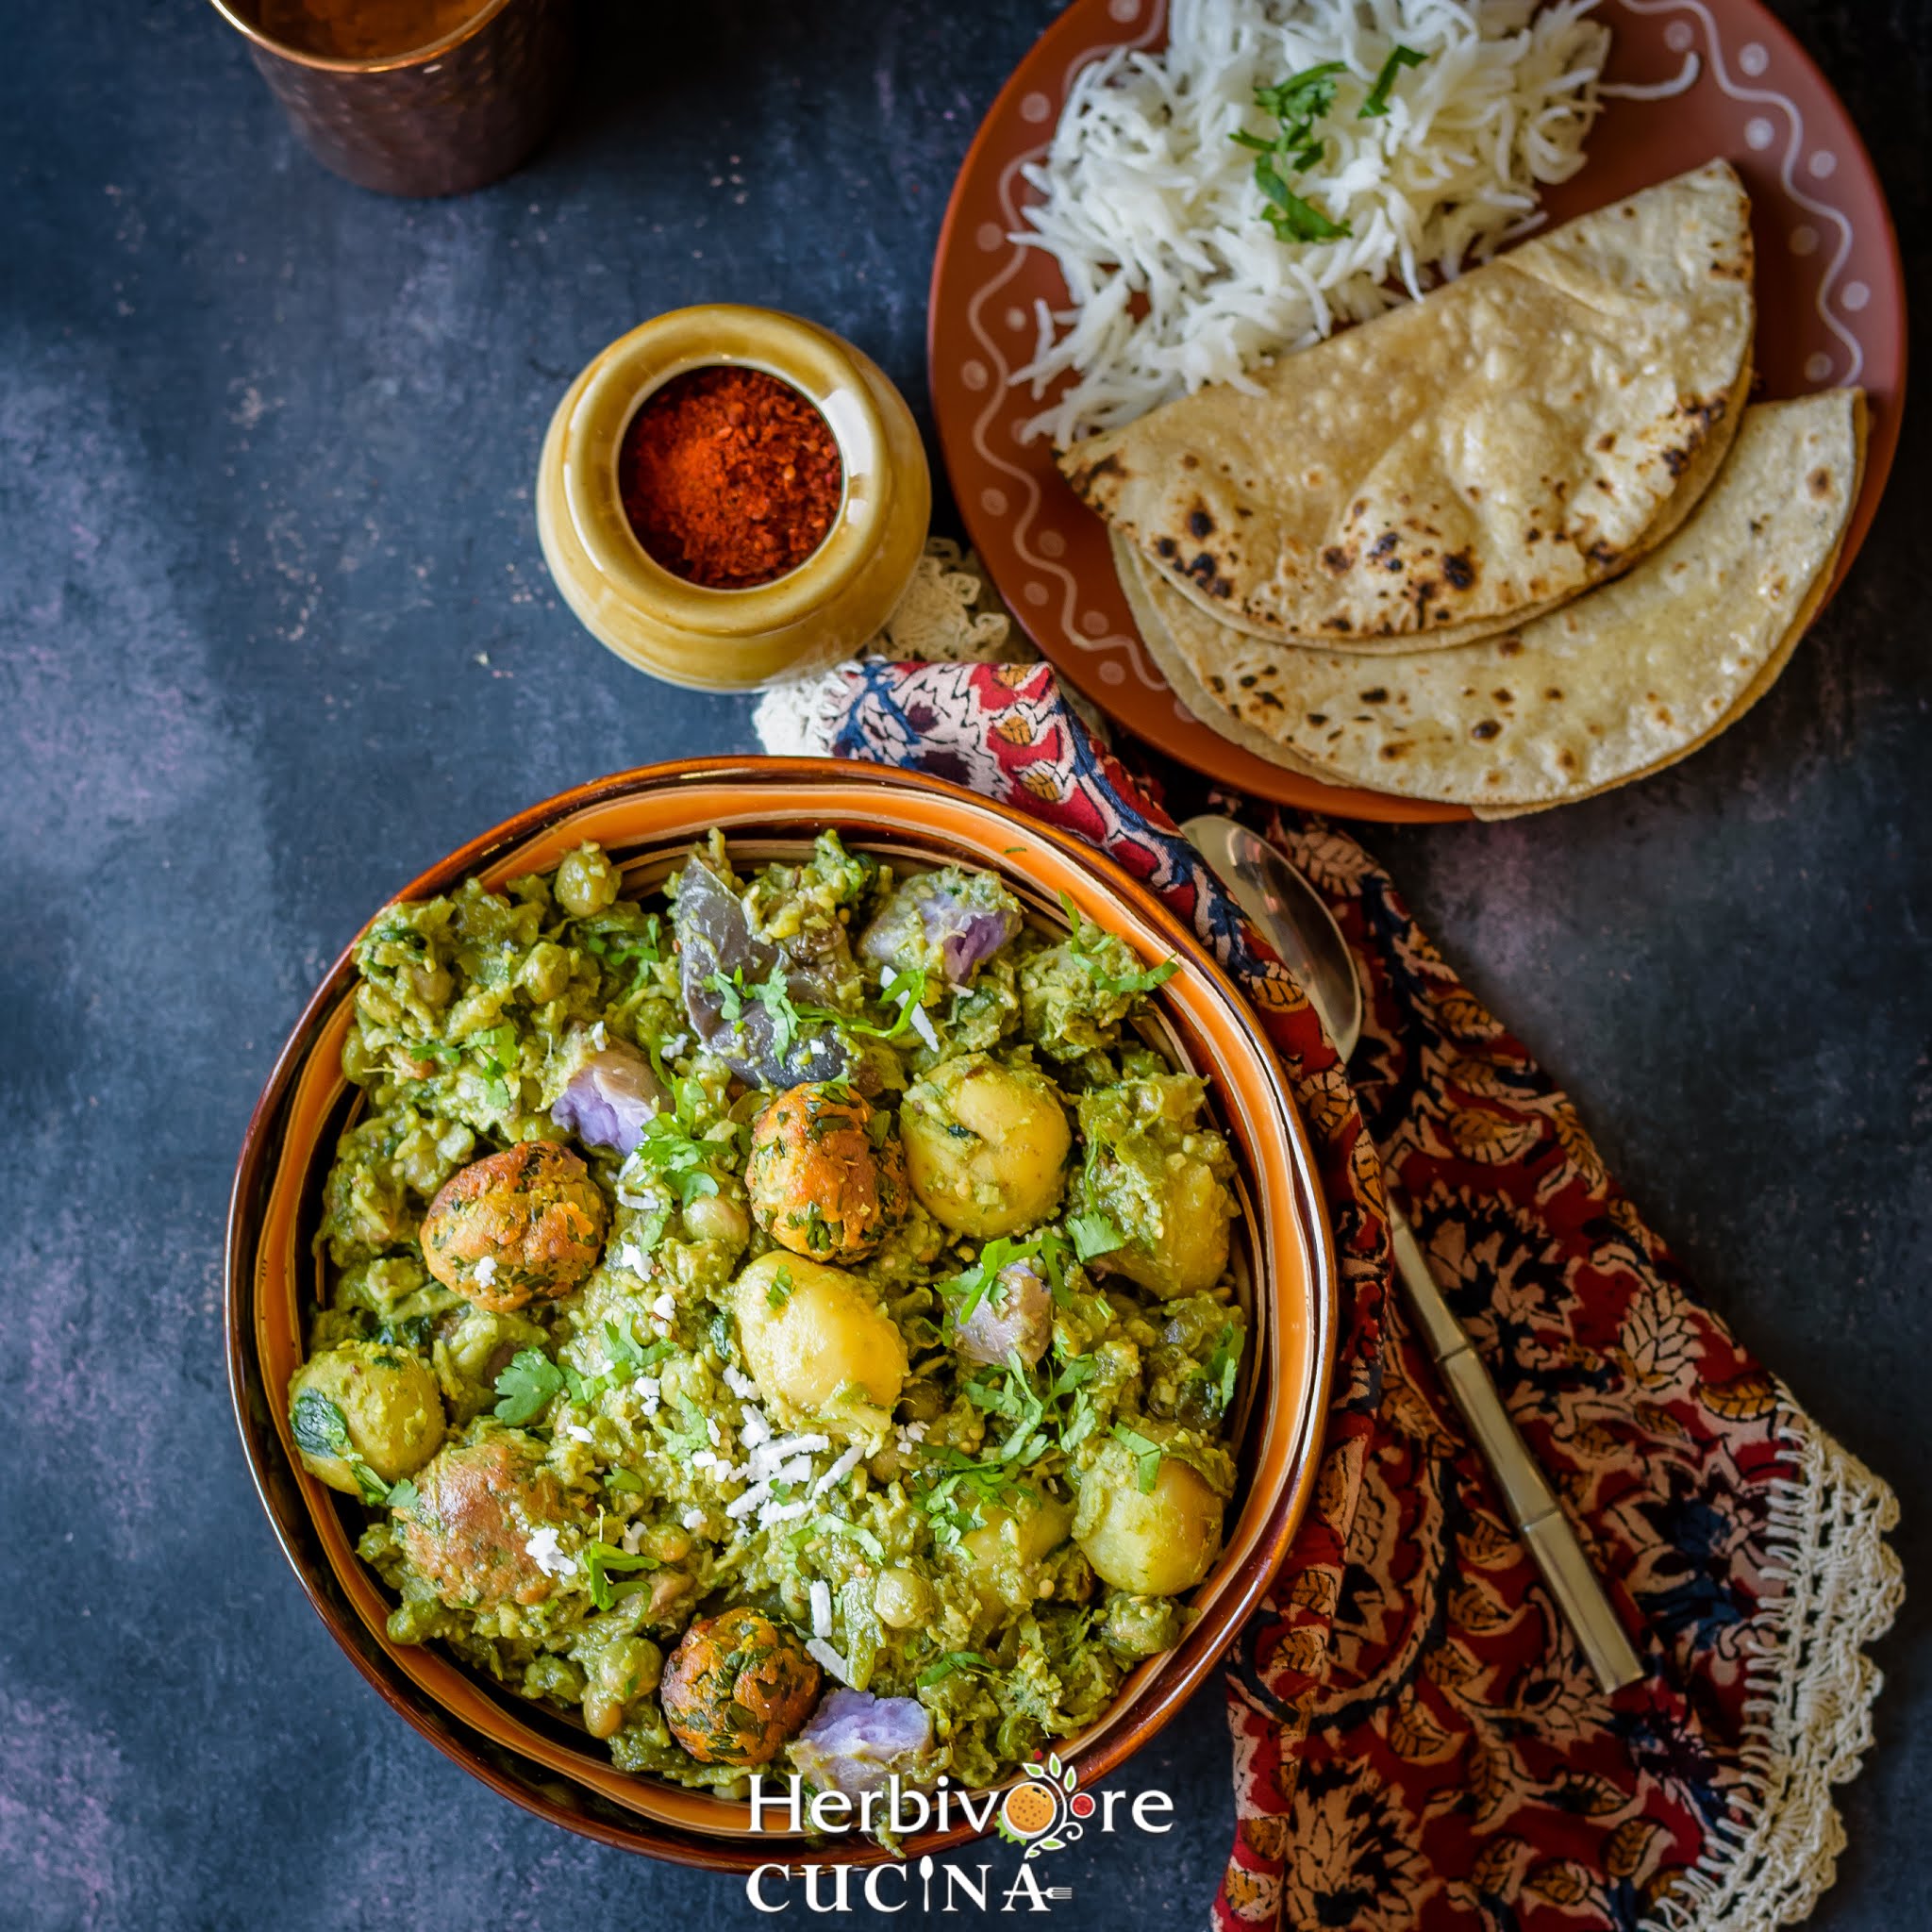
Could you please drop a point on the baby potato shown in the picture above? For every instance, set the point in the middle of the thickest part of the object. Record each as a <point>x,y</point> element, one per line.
<point>477,1506</point>
<point>819,1347</point>
<point>525,1222</point>
<point>1186,1250</point>
<point>818,1183</point>
<point>1152,1542</point>
<point>986,1146</point>
<point>736,1687</point>
<point>388,1401</point>
<point>1001,1553</point>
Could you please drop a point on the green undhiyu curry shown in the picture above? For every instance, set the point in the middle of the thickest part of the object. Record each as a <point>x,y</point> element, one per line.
<point>789,1324</point>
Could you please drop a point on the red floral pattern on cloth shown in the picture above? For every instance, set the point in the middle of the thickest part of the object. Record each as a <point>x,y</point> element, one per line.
<point>1418,1742</point>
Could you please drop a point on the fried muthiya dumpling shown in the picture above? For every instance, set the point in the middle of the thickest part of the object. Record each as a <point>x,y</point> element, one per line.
<point>526,1223</point>
<point>820,1183</point>
<point>480,1507</point>
<point>737,1687</point>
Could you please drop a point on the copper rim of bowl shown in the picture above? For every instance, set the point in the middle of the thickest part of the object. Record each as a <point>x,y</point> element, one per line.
<point>382,63</point>
<point>724,335</point>
<point>538,1760</point>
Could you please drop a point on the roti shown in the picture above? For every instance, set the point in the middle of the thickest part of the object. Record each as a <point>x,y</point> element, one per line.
<point>1620,682</point>
<point>1465,462</point>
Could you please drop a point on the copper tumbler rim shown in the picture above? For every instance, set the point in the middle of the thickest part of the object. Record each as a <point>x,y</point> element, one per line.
<point>324,63</point>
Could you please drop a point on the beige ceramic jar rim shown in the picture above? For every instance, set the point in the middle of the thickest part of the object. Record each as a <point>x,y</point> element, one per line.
<point>232,12</point>
<point>633,369</point>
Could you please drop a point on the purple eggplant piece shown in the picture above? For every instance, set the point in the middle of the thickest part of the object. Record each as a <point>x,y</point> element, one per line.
<point>966,938</point>
<point>965,935</point>
<point>611,1099</point>
<point>1013,1317</point>
<point>714,938</point>
<point>856,1741</point>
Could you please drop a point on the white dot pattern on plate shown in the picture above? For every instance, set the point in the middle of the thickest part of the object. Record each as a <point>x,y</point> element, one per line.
<point>1124,10</point>
<point>973,374</point>
<point>1035,108</point>
<point>1035,595</point>
<point>1181,711</point>
<point>1804,240</point>
<point>1111,672</point>
<point>1094,623</point>
<point>1824,164</point>
<point>1052,543</point>
<point>1753,58</point>
<point>990,235</point>
<point>1817,367</point>
<point>1678,36</point>
<point>1759,132</point>
<point>993,502</point>
<point>1856,296</point>
<point>1016,318</point>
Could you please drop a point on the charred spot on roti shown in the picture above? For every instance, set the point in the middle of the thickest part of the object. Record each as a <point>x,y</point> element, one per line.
<point>1246,680</point>
<point>1207,572</point>
<point>1508,647</point>
<point>1268,698</point>
<point>1460,568</point>
<point>1503,698</point>
<point>1396,749</point>
<point>1318,718</point>
<point>1607,442</point>
<point>1166,547</point>
<point>1337,623</point>
<point>1821,481</point>
<point>1485,728</point>
<point>1382,550</point>
<point>1199,522</point>
<point>1566,760</point>
<point>1338,559</point>
<point>1190,462</point>
<point>1375,694</point>
<point>1553,693</point>
<point>1605,555</point>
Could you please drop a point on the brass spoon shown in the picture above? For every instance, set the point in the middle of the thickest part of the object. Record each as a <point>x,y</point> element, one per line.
<point>1300,927</point>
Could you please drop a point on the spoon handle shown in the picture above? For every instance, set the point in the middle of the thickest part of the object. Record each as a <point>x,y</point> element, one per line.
<point>1526,1494</point>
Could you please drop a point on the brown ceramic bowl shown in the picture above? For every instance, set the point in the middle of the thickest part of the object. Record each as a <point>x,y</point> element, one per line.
<point>771,807</point>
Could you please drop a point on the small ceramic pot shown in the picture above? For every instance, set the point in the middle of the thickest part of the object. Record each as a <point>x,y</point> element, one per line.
<point>771,808</point>
<point>733,639</point>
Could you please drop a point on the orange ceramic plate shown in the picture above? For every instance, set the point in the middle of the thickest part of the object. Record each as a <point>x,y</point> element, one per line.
<point>770,808</point>
<point>1830,292</point>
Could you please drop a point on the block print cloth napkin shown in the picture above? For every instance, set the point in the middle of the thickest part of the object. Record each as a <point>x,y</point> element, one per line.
<point>1417,1740</point>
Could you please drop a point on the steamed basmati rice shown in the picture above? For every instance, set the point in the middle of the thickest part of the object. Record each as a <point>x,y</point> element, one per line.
<point>1153,216</point>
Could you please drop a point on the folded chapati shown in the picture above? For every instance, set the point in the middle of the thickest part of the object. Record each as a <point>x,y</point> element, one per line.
<point>1616,684</point>
<point>1465,462</point>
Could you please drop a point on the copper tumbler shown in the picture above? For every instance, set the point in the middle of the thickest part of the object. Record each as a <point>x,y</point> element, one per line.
<point>441,119</point>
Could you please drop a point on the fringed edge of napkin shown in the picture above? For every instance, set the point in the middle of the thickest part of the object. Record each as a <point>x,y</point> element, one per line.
<point>1808,1721</point>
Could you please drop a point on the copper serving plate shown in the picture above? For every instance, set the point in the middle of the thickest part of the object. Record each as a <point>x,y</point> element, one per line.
<point>771,807</point>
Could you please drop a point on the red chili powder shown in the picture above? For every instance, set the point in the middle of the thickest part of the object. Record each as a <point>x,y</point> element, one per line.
<point>729,476</point>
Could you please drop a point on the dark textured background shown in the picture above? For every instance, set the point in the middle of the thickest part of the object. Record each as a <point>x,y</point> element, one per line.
<point>265,451</point>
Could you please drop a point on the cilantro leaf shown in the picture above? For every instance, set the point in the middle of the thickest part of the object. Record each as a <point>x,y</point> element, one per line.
<point>950,1661</point>
<point>600,1558</point>
<point>1093,1234</point>
<point>404,1495</point>
<point>1146,1456</point>
<point>1224,1364</point>
<point>320,1428</point>
<point>1296,103</point>
<point>1377,102</point>
<point>779,1291</point>
<point>864,1538</point>
<point>527,1387</point>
